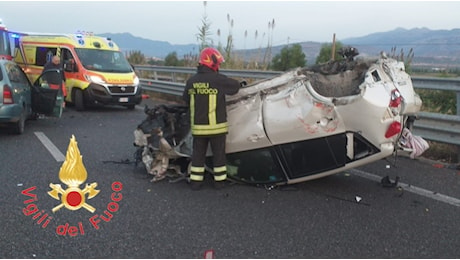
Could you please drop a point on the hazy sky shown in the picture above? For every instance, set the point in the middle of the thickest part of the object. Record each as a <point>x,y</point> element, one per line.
<point>177,22</point>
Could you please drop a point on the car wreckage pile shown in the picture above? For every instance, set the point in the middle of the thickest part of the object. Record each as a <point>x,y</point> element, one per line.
<point>304,124</point>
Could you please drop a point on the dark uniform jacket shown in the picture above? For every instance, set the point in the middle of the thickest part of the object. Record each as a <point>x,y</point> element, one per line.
<point>54,78</point>
<point>205,93</point>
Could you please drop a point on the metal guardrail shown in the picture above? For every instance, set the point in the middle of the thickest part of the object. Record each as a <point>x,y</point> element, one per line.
<point>438,127</point>
<point>431,126</point>
<point>447,84</point>
<point>254,74</point>
<point>160,86</point>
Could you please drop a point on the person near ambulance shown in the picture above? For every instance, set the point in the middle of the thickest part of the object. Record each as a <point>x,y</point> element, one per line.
<point>55,80</point>
<point>205,95</point>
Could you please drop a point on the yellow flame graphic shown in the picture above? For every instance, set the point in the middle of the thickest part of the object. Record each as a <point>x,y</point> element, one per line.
<point>73,172</point>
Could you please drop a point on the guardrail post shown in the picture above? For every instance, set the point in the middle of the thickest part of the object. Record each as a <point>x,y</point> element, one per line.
<point>458,103</point>
<point>458,114</point>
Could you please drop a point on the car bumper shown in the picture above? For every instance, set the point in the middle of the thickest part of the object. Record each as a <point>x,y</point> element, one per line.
<point>97,94</point>
<point>10,113</point>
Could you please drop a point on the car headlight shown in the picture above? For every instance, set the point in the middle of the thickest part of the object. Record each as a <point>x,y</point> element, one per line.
<point>136,80</point>
<point>94,79</point>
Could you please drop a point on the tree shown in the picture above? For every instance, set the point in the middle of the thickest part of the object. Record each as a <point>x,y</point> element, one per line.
<point>204,31</point>
<point>229,45</point>
<point>268,50</point>
<point>288,58</point>
<point>172,60</point>
<point>325,54</point>
<point>136,57</point>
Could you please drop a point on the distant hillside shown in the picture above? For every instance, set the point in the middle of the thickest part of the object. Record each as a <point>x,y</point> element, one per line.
<point>431,47</point>
<point>436,47</point>
<point>151,48</point>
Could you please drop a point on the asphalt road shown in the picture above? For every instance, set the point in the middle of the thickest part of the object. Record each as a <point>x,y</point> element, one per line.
<point>347,215</point>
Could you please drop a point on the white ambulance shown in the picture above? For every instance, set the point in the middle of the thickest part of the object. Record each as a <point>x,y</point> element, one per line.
<point>96,71</point>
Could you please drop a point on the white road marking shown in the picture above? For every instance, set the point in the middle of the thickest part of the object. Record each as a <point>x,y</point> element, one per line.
<point>410,188</point>
<point>50,146</point>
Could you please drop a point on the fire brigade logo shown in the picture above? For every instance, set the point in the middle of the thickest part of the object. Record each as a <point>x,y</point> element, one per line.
<point>73,174</point>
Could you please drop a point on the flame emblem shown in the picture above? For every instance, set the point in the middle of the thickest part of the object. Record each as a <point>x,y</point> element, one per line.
<point>73,174</point>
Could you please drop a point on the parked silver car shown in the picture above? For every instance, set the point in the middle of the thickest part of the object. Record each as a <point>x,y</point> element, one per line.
<point>20,100</point>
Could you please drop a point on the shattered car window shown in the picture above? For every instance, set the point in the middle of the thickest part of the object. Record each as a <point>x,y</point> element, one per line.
<point>257,166</point>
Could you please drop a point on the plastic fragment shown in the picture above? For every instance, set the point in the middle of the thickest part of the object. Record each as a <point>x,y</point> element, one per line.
<point>209,254</point>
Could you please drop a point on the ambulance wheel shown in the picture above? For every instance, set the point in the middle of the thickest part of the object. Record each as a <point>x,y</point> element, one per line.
<point>78,100</point>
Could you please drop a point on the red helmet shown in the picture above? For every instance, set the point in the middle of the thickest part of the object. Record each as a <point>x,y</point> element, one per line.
<point>211,58</point>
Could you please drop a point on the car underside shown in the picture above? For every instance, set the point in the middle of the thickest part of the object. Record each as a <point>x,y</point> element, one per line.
<point>304,124</point>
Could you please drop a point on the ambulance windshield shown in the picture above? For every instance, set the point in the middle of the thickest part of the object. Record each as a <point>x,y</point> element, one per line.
<point>104,60</point>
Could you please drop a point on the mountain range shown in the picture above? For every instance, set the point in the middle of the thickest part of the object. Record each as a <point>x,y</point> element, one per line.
<point>430,47</point>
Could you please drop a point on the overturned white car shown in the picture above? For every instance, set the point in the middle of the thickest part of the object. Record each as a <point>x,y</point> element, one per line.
<point>304,124</point>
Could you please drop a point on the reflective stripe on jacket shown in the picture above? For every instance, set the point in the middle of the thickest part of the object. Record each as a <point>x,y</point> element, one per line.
<point>205,93</point>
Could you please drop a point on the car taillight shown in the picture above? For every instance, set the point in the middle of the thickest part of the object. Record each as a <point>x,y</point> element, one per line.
<point>393,129</point>
<point>7,95</point>
<point>395,98</point>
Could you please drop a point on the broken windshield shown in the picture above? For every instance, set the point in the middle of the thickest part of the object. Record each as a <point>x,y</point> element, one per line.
<point>104,60</point>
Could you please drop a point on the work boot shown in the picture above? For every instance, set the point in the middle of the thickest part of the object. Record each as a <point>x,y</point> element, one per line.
<point>196,185</point>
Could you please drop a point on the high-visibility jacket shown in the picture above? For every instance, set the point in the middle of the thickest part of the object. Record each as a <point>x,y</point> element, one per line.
<point>205,93</point>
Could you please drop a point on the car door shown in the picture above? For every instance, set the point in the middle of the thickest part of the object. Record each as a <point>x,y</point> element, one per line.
<point>47,98</point>
<point>20,86</point>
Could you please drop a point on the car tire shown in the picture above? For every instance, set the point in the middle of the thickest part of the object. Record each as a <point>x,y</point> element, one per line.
<point>19,126</point>
<point>79,100</point>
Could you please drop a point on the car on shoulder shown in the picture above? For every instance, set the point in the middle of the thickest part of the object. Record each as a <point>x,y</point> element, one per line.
<point>20,100</point>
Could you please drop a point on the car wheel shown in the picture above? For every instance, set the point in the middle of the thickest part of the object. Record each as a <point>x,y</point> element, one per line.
<point>78,100</point>
<point>19,126</point>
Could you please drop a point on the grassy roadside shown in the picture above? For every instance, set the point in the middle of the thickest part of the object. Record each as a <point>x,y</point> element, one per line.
<point>445,153</point>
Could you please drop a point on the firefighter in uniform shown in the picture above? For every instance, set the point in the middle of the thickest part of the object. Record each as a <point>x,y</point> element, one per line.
<point>205,94</point>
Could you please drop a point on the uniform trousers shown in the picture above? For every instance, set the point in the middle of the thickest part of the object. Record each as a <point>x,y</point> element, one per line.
<point>200,147</point>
